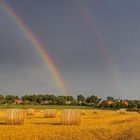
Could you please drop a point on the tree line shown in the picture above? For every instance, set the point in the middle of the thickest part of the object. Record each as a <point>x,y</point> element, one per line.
<point>80,100</point>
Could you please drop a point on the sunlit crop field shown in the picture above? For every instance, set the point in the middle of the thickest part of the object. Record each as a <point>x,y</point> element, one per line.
<point>95,125</point>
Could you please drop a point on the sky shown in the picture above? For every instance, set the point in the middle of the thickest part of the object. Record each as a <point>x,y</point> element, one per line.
<point>94,44</point>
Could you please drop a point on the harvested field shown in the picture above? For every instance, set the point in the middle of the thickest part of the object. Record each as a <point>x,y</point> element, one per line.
<point>105,125</point>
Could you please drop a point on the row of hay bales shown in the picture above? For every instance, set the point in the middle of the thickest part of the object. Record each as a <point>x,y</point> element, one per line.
<point>68,116</point>
<point>120,111</point>
<point>18,116</point>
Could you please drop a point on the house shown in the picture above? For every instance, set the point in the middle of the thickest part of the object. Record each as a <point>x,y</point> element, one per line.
<point>18,101</point>
<point>124,102</point>
<point>109,102</point>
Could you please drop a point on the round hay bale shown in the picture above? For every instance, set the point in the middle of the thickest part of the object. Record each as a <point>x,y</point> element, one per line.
<point>121,111</point>
<point>31,112</point>
<point>50,113</point>
<point>83,113</point>
<point>95,112</point>
<point>15,117</point>
<point>71,117</point>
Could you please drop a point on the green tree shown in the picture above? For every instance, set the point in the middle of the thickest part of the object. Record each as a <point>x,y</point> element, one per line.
<point>39,98</point>
<point>81,99</point>
<point>10,99</point>
<point>71,100</point>
<point>2,99</point>
<point>93,100</point>
<point>61,100</point>
<point>110,98</point>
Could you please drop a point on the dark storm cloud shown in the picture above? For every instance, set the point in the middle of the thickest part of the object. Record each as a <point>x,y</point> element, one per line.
<point>69,37</point>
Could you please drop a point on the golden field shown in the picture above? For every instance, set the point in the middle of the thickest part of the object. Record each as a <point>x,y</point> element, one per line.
<point>95,125</point>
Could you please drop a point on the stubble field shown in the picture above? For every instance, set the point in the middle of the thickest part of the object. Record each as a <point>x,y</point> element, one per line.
<point>95,125</point>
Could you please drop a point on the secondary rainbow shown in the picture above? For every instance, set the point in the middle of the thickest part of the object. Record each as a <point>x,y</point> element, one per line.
<point>104,49</point>
<point>37,44</point>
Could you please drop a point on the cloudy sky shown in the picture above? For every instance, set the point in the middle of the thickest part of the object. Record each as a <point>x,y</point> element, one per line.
<point>94,44</point>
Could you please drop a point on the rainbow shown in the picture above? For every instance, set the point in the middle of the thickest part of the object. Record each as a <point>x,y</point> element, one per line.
<point>104,49</point>
<point>36,44</point>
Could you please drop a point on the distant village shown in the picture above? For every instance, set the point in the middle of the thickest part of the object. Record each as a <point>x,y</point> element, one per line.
<point>92,100</point>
